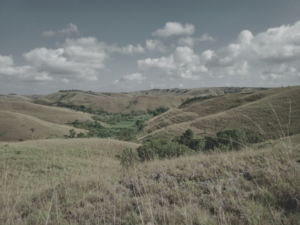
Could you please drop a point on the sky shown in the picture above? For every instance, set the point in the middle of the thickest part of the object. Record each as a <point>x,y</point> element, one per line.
<point>122,46</point>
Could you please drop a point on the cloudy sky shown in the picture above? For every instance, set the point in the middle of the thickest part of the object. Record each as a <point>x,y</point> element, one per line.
<point>98,45</point>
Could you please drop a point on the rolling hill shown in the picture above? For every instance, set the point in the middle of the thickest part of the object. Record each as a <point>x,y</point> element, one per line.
<point>18,117</point>
<point>81,181</point>
<point>271,113</point>
<point>138,101</point>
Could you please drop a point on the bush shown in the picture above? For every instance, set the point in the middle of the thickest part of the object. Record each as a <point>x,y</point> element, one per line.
<point>162,148</point>
<point>188,140</point>
<point>231,139</point>
<point>80,135</point>
<point>210,143</point>
<point>253,137</point>
<point>128,158</point>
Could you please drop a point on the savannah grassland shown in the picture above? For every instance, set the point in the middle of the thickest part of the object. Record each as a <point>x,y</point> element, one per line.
<point>80,181</point>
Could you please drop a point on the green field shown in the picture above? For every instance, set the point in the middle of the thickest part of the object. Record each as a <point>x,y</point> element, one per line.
<point>131,122</point>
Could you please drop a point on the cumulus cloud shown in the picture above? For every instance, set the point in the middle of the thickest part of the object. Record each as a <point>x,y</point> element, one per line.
<point>270,55</point>
<point>129,49</point>
<point>183,63</point>
<point>98,46</point>
<point>281,72</point>
<point>276,49</point>
<point>191,41</point>
<point>71,28</point>
<point>206,37</point>
<point>132,78</point>
<point>155,45</point>
<point>69,63</point>
<point>24,73</point>
<point>73,61</point>
<point>174,28</point>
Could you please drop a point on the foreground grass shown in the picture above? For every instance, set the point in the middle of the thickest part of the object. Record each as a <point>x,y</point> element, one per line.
<point>80,182</point>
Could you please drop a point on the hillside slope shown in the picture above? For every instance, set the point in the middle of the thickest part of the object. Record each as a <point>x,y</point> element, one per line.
<point>50,114</point>
<point>16,127</point>
<point>80,181</point>
<point>270,113</point>
<point>114,103</point>
<point>138,101</point>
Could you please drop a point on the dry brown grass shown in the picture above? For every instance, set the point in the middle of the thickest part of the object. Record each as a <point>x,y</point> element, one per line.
<point>113,102</point>
<point>138,101</point>
<point>32,168</point>
<point>80,182</point>
<point>15,98</point>
<point>16,127</point>
<point>255,112</point>
<point>50,114</point>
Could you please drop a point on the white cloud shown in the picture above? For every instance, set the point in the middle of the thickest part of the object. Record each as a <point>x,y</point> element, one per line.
<point>281,72</point>
<point>174,28</point>
<point>95,45</point>
<point>10,71</point>
<point>71,28</point>
<point>273,54</point>
<point>69,63</point>
<point>6,61</point>
<point>130,49</point>
<point>132,78</point>
<point>155,45</point>
<point>206,37</point>
<point>187,41</point>
<point>183,63</point>
<point>191,41</point>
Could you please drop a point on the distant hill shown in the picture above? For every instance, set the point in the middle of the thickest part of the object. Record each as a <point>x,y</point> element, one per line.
<point>18,117</point>
<point>15,97</point>
<point>46,113</point>
<point>138,101</point>
<point>16,127</point>
<point>266,112</point>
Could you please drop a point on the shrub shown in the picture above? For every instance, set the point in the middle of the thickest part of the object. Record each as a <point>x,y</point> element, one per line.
<point>162,148</point>
<point>231,139</point>
<point>210,143</point>
<point>80,135</point>
<point>188,140</point>
<point>253,137</point>
<point>128,158</point>
<point>72,133</point>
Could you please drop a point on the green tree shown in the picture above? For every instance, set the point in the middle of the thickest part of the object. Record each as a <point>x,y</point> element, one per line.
<point>231,139</point>
<point>32,133</point>
<point>80,135</point>
<point>72,133</point>
<point>128,158</point>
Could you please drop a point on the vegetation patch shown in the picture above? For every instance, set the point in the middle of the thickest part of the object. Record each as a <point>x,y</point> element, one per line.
<point>195,99</point>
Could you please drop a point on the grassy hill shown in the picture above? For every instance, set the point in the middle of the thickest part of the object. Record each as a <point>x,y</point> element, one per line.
<point>18,117</point>
<point>80,181</point>
<point>50,114</point>
<point>215,91</point>
<point>271,113</point>
<point>16,127</point>
<point>138,101</point>
<point>15,98</point>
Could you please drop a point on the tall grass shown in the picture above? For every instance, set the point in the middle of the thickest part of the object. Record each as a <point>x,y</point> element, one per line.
<point>81,182</point>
